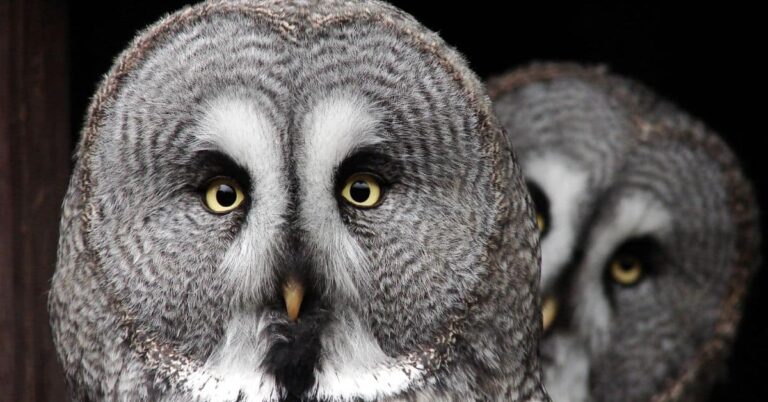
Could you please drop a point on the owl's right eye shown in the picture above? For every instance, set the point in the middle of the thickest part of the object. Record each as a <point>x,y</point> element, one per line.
<point>626,270</point>
<point>362,190</point>
<point>223,195</point>
<point>541,203</point>
<point>633,261</point>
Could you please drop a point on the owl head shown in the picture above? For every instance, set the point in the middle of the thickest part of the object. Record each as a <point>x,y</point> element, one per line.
<point>295,200</point>
<point>649,234</point>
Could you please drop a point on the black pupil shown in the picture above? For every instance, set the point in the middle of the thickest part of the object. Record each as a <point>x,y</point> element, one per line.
<point>226,195</point>
<point>627,263</point>
<point>360,191</point>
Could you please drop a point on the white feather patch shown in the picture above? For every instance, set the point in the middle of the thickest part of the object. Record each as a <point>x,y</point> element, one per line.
<point>335,127</point>
<point>234,367</point>
<point>567,379</point>
<point>236,128</point>
<point>356,368</point>
<point>564,185</point>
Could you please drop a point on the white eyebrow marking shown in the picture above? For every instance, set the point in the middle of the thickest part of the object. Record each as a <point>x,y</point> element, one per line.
<point>241,131</point>
<point>333,129</point>
<point>564,185</point>
<point>238,129</point>
<point>637,214</point>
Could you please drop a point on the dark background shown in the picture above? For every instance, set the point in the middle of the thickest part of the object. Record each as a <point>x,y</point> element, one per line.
<point>705,58</point>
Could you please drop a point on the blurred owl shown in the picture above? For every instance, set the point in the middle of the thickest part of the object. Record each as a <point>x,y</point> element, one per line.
<point>295,200</point>
<point>649,234</point>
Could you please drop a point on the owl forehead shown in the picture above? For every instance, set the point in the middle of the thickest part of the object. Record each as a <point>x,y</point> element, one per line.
<point>579,121</point>
<point>582,139</point>
<point>354,84</point>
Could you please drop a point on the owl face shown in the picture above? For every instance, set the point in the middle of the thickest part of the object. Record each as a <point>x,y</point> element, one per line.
<point>296,201</point>
<point>648,234</point>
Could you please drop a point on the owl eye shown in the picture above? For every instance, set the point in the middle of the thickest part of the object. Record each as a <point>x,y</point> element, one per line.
<point>362,190</point>
<point>626,270</point>
<point>223,195</point>
<point>542,207</point>
<point>635,260</point>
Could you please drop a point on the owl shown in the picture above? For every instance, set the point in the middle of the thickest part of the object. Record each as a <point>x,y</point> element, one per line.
<point>295,200</point>
<point>649,234</point>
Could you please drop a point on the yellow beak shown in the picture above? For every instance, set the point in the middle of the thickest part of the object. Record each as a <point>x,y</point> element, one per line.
<point>293,294</point>
<point>548,311</point>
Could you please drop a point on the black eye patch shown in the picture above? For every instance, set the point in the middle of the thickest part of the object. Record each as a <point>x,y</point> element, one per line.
<point>541,203</point>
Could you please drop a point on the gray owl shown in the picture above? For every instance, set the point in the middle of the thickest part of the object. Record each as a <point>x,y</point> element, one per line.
<point>649,234</point>
<point>295,200</point>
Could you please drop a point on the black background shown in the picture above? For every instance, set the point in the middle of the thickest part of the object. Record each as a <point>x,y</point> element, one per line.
<point>702,57</point>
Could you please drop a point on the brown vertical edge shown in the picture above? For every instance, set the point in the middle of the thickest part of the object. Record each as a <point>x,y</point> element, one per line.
<point>34,169</point>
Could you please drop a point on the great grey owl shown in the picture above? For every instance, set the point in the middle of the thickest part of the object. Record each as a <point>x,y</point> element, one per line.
<point>649,234</point>
<point>295,200</point>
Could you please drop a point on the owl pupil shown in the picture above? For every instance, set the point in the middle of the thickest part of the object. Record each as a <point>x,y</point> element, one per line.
<point>626,263</point>
<point>226,195</point>
<point>360,191</point>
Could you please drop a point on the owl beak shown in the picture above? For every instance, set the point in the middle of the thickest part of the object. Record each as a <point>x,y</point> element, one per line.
<point>293,294</point>
<point>548,311</point>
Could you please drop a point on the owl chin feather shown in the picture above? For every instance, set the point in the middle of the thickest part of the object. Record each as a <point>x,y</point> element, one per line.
<point>350,367</point>
<point>294,353</point>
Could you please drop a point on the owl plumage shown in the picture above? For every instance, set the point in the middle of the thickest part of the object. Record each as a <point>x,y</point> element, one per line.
<point>649,234</point>
<point>220,239</point>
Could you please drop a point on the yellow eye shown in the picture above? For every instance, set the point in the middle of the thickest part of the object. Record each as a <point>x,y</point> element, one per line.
<point>362,190</point>
<point>223,195</point>
<point>540,222</point>
<point>626,270</point>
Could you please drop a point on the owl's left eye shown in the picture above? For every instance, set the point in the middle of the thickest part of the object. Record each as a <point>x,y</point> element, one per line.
<point>362,190</point>
<point>633,261</point>
<point>223,195</point>
<point>626,270</point>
